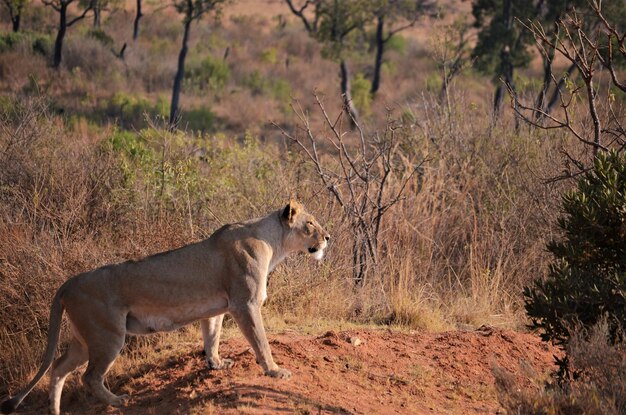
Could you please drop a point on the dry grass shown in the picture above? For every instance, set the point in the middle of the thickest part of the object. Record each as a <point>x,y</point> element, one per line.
<point>456,250</point>
<point>78,192</point>
<point>600,387</point>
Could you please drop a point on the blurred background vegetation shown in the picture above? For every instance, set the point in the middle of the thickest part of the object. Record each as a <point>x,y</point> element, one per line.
<point>132,127</point>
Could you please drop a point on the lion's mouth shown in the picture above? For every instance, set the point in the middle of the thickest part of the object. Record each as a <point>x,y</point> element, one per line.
<point>316,253</point>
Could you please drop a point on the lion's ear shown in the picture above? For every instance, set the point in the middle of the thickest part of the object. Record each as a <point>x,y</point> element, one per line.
<point>290,211</point>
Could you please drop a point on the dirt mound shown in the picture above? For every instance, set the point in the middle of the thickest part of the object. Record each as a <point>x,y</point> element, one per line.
<point>351,372</point>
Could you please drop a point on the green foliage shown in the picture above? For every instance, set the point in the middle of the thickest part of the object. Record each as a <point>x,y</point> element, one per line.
<point>389,68</point>
<point>194,9</point>
<point>588,277</point>
<point>360,91</point>
<point>131,110</point>
<point>101,36</point>
<point>198,119</point>
<point>338,21</point>
<point>37,42</point>
<point>42,45</point>
<point>209,74</point>
<point>269,56</point>
<point>494,35</point>
<point>178,171</point>
<point>280,89</point>
<point>397,43</point>
<point>15,7</point>
<point>258,84</point>
<point>8,41</point>
<point>433,82</point>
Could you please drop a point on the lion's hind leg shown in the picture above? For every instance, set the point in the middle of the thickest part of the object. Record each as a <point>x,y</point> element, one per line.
<point>103,348</point>
<point>75,355</point>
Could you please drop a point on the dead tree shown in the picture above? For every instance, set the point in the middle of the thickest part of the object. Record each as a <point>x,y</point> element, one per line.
<point>191,10</point>
<point>138,16</point>
<point>366,178</point>
<point>332,23</point>
<point>601,127</point>
<point>61,7</point>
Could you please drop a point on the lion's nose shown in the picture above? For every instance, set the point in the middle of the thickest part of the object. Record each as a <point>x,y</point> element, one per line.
<point>327,238</point>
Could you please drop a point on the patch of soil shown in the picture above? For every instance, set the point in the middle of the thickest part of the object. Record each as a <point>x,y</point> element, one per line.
<point>351,372</point>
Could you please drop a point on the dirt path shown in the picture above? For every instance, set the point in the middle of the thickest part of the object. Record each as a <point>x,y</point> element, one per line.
<point>388,372</point>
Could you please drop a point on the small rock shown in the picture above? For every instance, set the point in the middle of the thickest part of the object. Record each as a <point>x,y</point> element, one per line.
<point>329,342</point>
<point>355,341</point>
<point>485,330</point>
<point>329,359</point>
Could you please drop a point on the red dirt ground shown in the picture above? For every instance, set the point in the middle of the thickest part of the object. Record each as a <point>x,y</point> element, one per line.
<point>389,372</point>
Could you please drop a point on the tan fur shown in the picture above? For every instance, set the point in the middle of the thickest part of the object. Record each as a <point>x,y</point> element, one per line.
<point>225,273</point>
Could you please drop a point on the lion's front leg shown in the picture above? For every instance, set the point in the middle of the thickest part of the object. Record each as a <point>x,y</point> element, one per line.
<point>211,330</point>
<point>249,320</point>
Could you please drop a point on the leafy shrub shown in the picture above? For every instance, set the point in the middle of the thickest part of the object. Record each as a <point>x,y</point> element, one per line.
<point>588,277</point>
<point>397,43</point>
<point>269,56</point>
<point>8,41</point>
<point>131,110</point>
<point>600,388</point>
<point>101,36</point>
<point>42,44</point>
<point>198,119</point>
<point>361,93</point>
<point>29,41</point>
<point>255,82</point>
<point>280,89</point>
<point>210,74</point>
<point>433,82</point>
<point>89,55</point>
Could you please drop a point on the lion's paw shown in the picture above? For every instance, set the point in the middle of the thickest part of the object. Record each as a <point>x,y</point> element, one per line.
<point>120,400</point>
<point>219,364</point>
<point>278,373</point>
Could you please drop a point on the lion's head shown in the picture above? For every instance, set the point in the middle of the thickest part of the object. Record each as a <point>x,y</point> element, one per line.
<point>306,234</point>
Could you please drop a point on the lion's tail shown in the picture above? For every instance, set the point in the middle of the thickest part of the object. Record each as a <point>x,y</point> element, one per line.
<point>56,313</point>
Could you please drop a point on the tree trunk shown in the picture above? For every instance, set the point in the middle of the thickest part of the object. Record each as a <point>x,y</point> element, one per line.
<point>540,101</point>
<point>58,43</point>
<point>506,69</point>
<point>360,258</point>
<point>15,21</point>
<point>345,93</point>
<point>96,14</point>
<point>557,90</point>
<point>180,72</point>
<point>138,16</point>
<point>380,49</point>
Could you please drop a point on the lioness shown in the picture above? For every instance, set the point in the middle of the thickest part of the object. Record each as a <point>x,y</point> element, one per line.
<point>225,273</point>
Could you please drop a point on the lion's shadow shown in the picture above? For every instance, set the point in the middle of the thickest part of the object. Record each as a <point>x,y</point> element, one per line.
<point>187,391</point>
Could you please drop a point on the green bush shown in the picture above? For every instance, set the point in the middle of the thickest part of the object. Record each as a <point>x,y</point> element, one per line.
<point>269,56</point>
<point>397,43</point>
<point>198,119</point>
<point>256,83</point>
<point>587,280</point>
<point>210,74</point>
<point>361,93</point>
<point>131,110</point>
<point>42,44</point>
<point>101,36</point>
<point>8,41</point>
<point>37,42</point>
